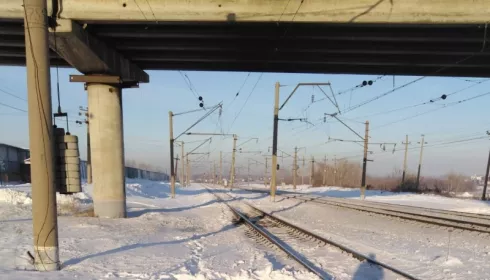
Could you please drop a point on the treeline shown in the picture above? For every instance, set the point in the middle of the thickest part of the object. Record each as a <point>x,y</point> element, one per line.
<point>348,175</point>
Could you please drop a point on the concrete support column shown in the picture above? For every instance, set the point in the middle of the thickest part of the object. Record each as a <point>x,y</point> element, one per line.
<point>41,141</point>
<point>107,150</point>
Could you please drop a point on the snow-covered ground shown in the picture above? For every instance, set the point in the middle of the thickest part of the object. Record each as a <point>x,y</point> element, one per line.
<point>425,251</point>
<point>194,237</point>
<point>189,237</point>
<point>420,200</point>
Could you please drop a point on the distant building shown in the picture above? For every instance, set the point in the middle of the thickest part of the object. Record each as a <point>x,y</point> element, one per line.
<point>13,167</point>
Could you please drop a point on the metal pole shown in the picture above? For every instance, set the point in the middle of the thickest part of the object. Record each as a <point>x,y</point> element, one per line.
<point>484,194</point>
<point>325,171</point>
<point>405,159</point>
<point>182,175</point>
<point>274,142</point>
<point>364,162</point>
<point>232,171</point>
<point>220,168</point>
<point>45,226</point>
<point>295,167</point>
<point>420,161</point>
<point>172,167</point>
<point>89,154</point>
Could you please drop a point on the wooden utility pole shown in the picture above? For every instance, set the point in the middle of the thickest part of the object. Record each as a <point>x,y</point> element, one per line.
<point>484,194</point>
<point>295,166</point>
<point>220,168</point>
<point>44,212</point>
<point>325,171</point>
<point>420,160</point>
<point>406,143</point>
<point>274,142</point>
<point>364,162</point>
<point>232,171</point>
<point>172,167</point>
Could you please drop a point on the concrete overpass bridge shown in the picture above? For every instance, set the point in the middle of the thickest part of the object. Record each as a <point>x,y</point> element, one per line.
<point>113,42</point>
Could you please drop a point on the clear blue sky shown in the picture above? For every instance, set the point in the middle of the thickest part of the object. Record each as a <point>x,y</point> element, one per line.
<point>146,117</point>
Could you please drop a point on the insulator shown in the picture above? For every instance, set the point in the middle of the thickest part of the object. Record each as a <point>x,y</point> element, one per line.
<point>370,83</point>
<point>201,105</point>
<point>364,83</point>
<point>324,119</point>
<point>443,97</point>
<point>312,98</point>
<point>200,98</point>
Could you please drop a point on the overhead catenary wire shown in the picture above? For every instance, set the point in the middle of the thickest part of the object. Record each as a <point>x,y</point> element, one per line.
<point>431,111</point>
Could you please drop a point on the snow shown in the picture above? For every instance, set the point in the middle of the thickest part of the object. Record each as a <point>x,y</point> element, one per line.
<point>194,237</point>
<point>425,251</point>
<point>189,237</point>
<point>410,199</point>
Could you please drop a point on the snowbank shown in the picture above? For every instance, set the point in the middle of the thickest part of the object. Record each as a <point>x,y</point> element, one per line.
<point>14,197</point>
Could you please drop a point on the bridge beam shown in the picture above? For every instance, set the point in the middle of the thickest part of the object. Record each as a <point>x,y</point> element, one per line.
<point>359,11</point>
<point>89,55</point>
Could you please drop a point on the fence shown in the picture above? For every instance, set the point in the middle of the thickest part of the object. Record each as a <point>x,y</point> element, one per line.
<point>130,172</point>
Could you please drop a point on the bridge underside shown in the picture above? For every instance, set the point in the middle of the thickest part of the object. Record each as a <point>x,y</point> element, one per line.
<point>363,48</point>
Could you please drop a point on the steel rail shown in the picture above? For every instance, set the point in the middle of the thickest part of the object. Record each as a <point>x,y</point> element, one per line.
<point>305,263</point>
<point>392,211</point>
<point>357,255</point>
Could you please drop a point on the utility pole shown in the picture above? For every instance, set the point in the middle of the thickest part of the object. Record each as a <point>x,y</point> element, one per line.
<point>420,160</point>
<point>214,172</point>
<point>182,181</point>
<point>274,143</point>
<point>325,171</point>
<point>335,170</point>
<point>295,166</point>
<point>232,171</point>
<point>302,172</point>
<point>312,175</point>
<point>265,174</point>
<point>84,111</point>
<point>172,167</point>
<point>406,143</point>
<point>484,194</point>
<point>364,162</point>
<point>220,168</point>
<point>188,173</point>
<point>45,219</point>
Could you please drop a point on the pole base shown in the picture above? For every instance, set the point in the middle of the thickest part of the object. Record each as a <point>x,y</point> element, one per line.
<point>363,193</point>
<point>46,258</point>
<point>113,209</point>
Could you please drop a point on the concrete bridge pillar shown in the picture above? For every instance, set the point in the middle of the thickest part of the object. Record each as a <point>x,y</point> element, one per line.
<point>107,149</point>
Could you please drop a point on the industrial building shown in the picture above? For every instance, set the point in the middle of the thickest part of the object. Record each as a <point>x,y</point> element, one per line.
<point>15,167</point>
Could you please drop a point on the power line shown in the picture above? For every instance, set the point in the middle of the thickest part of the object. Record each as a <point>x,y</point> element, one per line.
<point>12,107</point>
<point>246,100</point>
<point>421,78</point>
<point>13,95</point>
<point>431,111</point>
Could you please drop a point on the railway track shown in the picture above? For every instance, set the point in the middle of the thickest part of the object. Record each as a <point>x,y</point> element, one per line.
<point>305,247</point>
<point>452,219</point>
